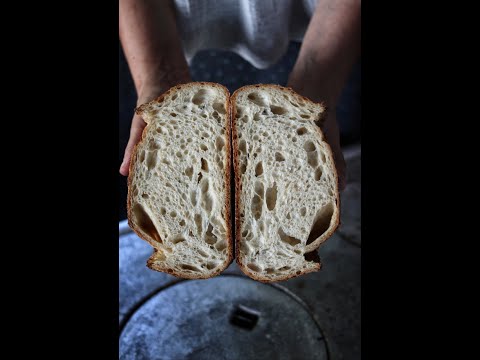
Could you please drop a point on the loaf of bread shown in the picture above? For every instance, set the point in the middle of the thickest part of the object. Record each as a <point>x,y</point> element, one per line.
<point>286,186</point>
<point>179,181</point>
<point>286,196</point>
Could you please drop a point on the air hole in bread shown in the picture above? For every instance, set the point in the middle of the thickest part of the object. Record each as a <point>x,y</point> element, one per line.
<point>298,272</point>
<point>173,214</point>
<point>173,114</point>
<point>174,96</point>
<point>190,267</point>
<point>145,223</point>
<point>309,146</point>
<point>256,117</point>
<point>202,253</point>
<point>312,159</point>
<point>259,189</point>
<point>219,143</point>
<point>165,161</point>
<point>253,267</point>
<point>163,211</point>
<point>284,268</point>
<point>238,112</point>
<point>204,186</point>
<point>220,246</point>
<point>322,154</point>
<point>215,115</point>
<point>142,156</point>
<point>259,169</point>
<point>203,147</point>
<point>287,239</point>
<point>177,240</point>
<point>200,176</point>
<point>305,116</point>
<point>303,211</point>
<point>243,168</point>
<point>159,130</point>
<point>279,157</point>
<point>318,173</point>
<point>302,131</point>
<point>245,233</point>
<point>278,110</point>
<point>294,104</point>
<point>257,99</point>
<point>198,222</point>
<point>145,196</point>
<point>204,165</point>
<point>210,237</point>
<point>182,222</point>
<point>271,197</point>
<point>219,161</point>
<point>288,216</point>
<point>269,270</point>
<point>189,172</point>
<point>200,97</point>
<point>219,107</point>
<point>294,139</point>
<point>321,223</point>
<point>211,265</point>
<point>256,207</point>
<point>242,146</point>
<point>151,160</point>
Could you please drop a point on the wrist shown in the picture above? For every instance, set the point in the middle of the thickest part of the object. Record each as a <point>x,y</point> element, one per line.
<point>156,83</point>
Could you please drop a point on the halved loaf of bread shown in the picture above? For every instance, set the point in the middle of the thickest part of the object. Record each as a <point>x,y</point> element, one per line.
<point>286,200</point>
<point>179,181</point>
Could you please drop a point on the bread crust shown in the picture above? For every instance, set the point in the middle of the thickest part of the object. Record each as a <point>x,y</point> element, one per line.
<point>238,185</point>
<point>230,243</point>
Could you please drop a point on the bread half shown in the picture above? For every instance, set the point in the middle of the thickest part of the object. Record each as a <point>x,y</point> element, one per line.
<point>286,197</point>
<point>179,181</point>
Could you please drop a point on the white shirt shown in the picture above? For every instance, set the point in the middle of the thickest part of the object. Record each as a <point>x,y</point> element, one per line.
<point>257,30</point>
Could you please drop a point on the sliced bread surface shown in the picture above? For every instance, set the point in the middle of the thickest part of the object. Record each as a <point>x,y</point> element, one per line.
<point>286,197</point>
<point>179,181</point>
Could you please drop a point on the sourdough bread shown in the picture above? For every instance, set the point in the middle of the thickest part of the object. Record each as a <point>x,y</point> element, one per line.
<point>179,181</point>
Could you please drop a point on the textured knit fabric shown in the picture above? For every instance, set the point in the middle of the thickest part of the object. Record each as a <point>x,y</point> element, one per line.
<point>257,30</point>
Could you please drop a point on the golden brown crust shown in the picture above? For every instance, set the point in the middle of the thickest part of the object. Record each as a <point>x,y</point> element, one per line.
<point>238,185</point>
<point>230,243</point>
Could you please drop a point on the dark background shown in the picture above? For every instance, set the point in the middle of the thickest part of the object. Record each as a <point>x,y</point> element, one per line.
<point>232,71</point>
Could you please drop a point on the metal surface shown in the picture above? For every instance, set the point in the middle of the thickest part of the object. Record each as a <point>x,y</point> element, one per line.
<point>227,317</point>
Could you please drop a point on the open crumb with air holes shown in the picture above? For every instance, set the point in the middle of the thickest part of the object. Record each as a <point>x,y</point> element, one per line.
<point>286,187</point>
<point>287,200</point>
<point>179,182</point>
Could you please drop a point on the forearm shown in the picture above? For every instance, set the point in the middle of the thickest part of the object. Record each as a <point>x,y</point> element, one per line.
<point>330,48</point>
<point>152,45</point>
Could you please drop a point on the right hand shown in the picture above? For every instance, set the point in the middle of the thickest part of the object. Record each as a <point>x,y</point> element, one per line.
<point>135,136</point>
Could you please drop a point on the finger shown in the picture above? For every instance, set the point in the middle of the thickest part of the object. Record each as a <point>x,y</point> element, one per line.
<point>135,135</point>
